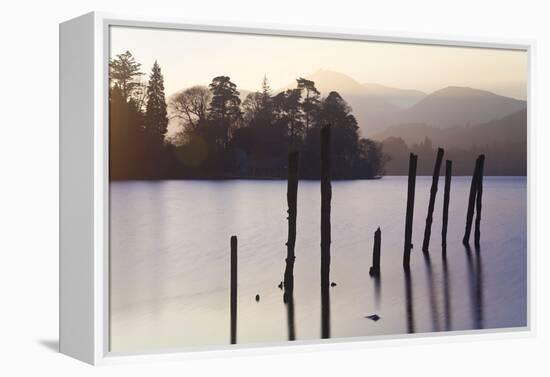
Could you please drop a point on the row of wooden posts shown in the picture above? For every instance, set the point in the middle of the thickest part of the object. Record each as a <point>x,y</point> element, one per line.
<point>476,191</point>
<point>474,202</point>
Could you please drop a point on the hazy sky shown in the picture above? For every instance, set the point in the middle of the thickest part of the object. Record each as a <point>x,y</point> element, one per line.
<point>189,58</point>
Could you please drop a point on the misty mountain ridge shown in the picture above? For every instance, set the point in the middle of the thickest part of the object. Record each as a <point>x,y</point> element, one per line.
<point>378,107</point>
<point>399,97</point>
<point>455,106</point>
<point>503,141</point>
<point>509,129</point>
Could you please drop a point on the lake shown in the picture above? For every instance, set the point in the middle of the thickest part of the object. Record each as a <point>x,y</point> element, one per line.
<point>169,261</point>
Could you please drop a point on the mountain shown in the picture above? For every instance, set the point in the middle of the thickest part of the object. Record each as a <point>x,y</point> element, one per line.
<point>388,97</point>
<point>327,81</point>
<point>372,104</point>
<point>454,105</point>
<point>503,141</point>
<point>378,107</point>
<point>509,129</point>
<point>402,98</point>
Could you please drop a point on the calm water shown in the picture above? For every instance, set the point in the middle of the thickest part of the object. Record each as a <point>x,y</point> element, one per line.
<point>170,261</point>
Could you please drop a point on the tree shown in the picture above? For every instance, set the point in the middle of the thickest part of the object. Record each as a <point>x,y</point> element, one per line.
<point>371,158</point>
<point>310,103</point>
<point>124,72</point>
<point>125,137</point>
<point>346,155</point>
<point>288,112</point>
<point>156,120</point>
<point>224,106</point>
<point>335,110</point>
<point>253,108</point>
<point>265,99</point>
<point>191,106</point>
<point>258,106</point>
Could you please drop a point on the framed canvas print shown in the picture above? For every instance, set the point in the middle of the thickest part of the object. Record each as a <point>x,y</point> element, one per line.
<point>225,187</point>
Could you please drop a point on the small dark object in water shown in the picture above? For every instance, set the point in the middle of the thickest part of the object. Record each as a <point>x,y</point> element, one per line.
<point>280,285</point>
<point>257,298</point>
<point>374,317</point>
<point>333,284</point>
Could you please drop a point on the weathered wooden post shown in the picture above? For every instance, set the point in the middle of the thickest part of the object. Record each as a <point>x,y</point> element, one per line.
<point>479,194</point>
<point>431,204</point>
<point>292,201</point>
<point>326,196</point>
<point>375,269</point>
<point>410,210</point>
<point>446,199</point>
<point>233,293</point>
<point>471,204</point>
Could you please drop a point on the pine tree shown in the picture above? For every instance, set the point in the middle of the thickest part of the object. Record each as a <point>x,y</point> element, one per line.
<point>156,120</point>
<point>310,104</point>
<point>123,72</point>
<point>225,107</point>
<point>266,93</point>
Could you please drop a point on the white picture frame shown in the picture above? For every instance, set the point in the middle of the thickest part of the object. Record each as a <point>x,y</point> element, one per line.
<point>84,204</point>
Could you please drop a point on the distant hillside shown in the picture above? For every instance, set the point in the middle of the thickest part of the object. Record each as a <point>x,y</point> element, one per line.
<point>372,104</point>
<point>402,98</point>
<point>503,141</point>
<point>378,107</point>
<point>457,106</point>
<point>507,129</point>
<point>327,81</point>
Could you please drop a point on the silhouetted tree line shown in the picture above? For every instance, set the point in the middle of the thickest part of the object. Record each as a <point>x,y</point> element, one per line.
<point>224,137</point>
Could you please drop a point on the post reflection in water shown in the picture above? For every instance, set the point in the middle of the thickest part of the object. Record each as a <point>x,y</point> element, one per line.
<point>377,290</point>
<point>325,312</point>
<point>288,299</point>
<point>479,289</point>
<point>409,302</point>
<point>475,277</point>
<point>431,292</point>
<point>446,295</point>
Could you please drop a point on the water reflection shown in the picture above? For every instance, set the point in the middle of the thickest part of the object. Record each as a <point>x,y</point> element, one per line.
<point>325,309</point>
<point>409,301</point>
<point>291,322</point>
<point>431,292</point>
<point>479,290</point>
<point>288,299</point>
<point>377,290</point>
<point>475,277</point>
<point>446,295</point>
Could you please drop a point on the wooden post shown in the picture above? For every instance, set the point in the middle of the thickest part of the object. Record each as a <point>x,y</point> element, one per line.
<point>410,210</point>
<point>326,196</point>
<point>479,194</point>
<point>292,201</point>
<point>471,204</point>
<point>233,293</point>
<point>375,269</point>
<point>446,199</point>
<point>431,204</point>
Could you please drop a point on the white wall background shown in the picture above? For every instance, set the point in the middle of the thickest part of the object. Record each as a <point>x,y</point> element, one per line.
<point>29,185</point>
